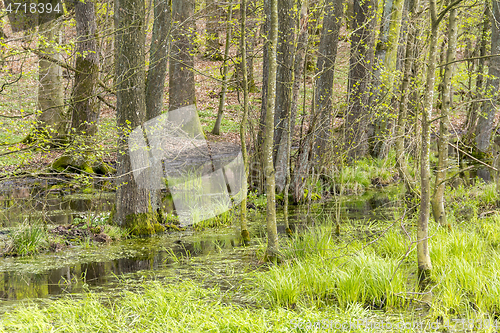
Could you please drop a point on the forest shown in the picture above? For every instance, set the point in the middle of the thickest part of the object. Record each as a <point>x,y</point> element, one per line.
<point>249,166</point>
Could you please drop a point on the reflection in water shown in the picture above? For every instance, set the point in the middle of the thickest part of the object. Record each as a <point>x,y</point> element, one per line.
<point>157,254</point>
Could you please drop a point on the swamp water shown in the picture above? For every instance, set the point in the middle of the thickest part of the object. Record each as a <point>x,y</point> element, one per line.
<point>217,256</point>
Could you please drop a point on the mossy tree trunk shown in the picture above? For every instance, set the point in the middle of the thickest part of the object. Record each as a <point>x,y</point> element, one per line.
<point>444,122</point>
<point>269,171</point>
<point>84,103</point>
<point>132,202</point>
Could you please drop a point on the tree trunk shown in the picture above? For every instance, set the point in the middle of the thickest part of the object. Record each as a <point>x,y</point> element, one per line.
<point>181,77</point>
<point>158,58</point>
<point>423,257</point>
<point>298,181</point>
<point>51,88</point>
<point>400,131</point>
<point>131,201</point>
<point>327,54</point>
<point>357,118</point>
<point>471,121</point>
<point>272,234</point>
<point>212,40</point>
<point>487,115</point>
<point>385,75</point>
<point>222,98</point>
<point>257,179</point>
<point>444,122</point>
<point>84,103</point>
<point>284,78</point>
<point>245,235</point>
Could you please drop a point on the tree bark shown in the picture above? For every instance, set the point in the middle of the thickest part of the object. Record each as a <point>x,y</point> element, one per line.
<point>384,76</point>
<point>272,234</point>
<point>444,122</point>
<point>401,129</point>
<point>158,59</point>
<point>357,118</point>
<point>51,88</point>
<point>327,54</point>
<point>486,116</point>
<point>284,82</point>
<point>131,201</point>
<point>423,257</point>
<point>84,102</point>
<point>245,235</point>
<point>181,77</point>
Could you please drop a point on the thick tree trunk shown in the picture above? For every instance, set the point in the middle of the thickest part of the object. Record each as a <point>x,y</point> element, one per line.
<point>327,54</point>
<point>131,201</point>
<point>51,88</point>
<point>444,122</point>
<point>487,114</point>
<point>358,118</point>
<point>225,69</point>
<point>272,234</point>
<point>181,77</point>
<point>158,59</point>
<point>284,78</point>
<point>84,103</point>
<point>423,257</point>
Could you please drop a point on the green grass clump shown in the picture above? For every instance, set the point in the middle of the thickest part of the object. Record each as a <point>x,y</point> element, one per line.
<point>28,239</point>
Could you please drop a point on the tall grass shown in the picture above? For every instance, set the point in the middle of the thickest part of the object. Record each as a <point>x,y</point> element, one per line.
<point>159,307</point>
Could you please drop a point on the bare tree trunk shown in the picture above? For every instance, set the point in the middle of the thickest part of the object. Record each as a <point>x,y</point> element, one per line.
<point>158,59</point>
<point>444,122</point>
<point>284,82</point>
<point>84,103</point>
<point>423,257</point>
<point>327,54</point>
<point>385,76</point>
<point>245,235</point>
<point>400,131</point>
<point>181,77</point>
<point>51,88</point>
<point>471,122</point>
<point>131,201</point>
<point>486,116</point>
<point>272,233</point>
<point>357,119</point>
<point>222,98</point>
